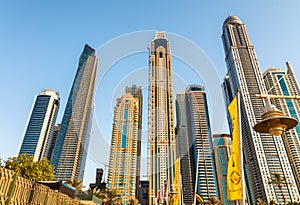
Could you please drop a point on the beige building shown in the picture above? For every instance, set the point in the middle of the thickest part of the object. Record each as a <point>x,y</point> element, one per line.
<point>123,172</point>
<point>163,177</point>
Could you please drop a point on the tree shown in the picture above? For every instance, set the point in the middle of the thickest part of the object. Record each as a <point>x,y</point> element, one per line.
<point>133,201</point>
<point>293,203</point>
<point>272,202</point>
<point>260,202</point>
<point>109,196</point>
<point>24,166</point>
<point>278,180</point>
<point>213,200</point>
<point>76,183</point>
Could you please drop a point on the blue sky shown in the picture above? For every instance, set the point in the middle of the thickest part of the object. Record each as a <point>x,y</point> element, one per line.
<point>40,42</point>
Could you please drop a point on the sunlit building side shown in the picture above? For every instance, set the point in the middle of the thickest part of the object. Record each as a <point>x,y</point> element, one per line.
<point>123,172</point>
<point>265,155</point>
<point>163,177</point>
<point>284,83</point>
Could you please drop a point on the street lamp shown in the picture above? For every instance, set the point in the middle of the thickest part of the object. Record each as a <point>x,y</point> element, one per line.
<point>273,121</point>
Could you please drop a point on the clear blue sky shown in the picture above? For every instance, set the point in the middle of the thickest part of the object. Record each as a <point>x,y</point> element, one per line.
<point>40,42</point>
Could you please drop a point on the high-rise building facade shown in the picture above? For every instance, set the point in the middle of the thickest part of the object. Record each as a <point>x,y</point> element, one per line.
<point>279,82</point>
<point>136,91</point>
<point>200,136</point>
<point>40,125</point>
<point>163,173</point>
<point>221,150</point>
<point>184,151</point>
<point>52,143</point>
<point>265,155</point>
<point>70,150</point>
<point>123,172</point>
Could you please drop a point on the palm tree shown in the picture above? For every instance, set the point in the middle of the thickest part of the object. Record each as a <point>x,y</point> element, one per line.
<point>260,202</point>
<point>293,203</point>
<point>94,191</point>
<point>108,196</point>
<point>272,202</point>
<point>279,181</point>
<point>76,183</point>
<point>213,201</point>
<point>133,201</point>
<point>171,199</point>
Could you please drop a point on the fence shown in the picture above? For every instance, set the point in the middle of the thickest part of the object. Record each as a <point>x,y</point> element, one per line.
<point>15,190</point>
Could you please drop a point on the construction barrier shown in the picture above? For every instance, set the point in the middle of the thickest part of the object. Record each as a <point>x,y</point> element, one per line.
<point>15,190</point>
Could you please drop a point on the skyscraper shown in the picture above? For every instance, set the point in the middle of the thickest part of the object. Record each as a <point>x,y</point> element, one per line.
<point>123,172</point>
<point>221,149</point>
<point>136,91</point>
<point>163,175</point>
<point>40,126</point>
<point>279,82</point>
<point>70,151</point>
<point>52,143</point>
<point>199,133</point>
<point>264,154</point>
<point>184,150</point>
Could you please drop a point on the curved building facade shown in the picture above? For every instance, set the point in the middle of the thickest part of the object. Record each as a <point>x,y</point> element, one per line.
<point>40,126</point>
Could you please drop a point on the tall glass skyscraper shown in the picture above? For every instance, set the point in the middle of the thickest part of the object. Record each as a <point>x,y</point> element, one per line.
<point>40,126</point>
<point>184,151</point>
<point>265,155</point>
<point>279,82</point>
<point>70,150</point>
<point>200,136</point>
<point>123,172</point>
<point>221,150</point>
<point>163,177</point>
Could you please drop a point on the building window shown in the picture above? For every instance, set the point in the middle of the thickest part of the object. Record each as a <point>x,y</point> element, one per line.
<point>124,133</point>
<point>160,54</point>
<point>126,114</point>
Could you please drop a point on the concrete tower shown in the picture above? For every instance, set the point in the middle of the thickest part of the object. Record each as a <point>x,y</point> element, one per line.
<point>163,175</point>
<point>123,172</point>
<point>264,154</point>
